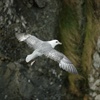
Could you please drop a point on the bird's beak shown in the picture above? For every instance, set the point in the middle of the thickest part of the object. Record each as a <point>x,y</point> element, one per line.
<point>60,43</point>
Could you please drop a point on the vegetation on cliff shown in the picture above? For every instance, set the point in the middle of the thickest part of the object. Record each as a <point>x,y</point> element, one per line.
<point>79,29</point>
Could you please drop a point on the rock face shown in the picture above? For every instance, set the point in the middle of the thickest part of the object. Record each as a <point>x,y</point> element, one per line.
<point>18,80</point>
<point>94,77</point>
<point>44,80</point>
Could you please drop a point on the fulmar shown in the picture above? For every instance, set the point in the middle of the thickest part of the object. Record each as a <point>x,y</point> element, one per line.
<point>46,48</point>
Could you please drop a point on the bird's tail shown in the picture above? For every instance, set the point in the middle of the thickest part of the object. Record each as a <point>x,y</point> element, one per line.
<point>21,36</point>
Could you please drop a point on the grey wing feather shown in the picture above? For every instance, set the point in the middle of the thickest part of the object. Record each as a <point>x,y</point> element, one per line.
<point>31,40</point>
<point>63,61</point>
<point>33,56</point>
<point>66,64</point>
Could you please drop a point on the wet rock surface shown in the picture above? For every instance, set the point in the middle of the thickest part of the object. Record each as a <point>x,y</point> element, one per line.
<point>94,76</point>
<point>19,80</point>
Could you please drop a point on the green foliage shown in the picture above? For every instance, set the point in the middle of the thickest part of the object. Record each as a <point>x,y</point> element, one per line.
<point>70,36</point>
<point>78,48</point>
<point>91,32</point>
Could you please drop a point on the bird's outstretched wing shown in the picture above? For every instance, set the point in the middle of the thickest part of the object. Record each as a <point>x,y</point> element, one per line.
<point>63,61</point>
<point>31,40</point>
<point>33,55</point>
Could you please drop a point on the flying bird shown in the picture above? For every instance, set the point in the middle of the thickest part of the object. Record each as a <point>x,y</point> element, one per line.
<point>46,48</point>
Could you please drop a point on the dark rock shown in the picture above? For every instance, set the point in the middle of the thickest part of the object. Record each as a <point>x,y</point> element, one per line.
<point>19,80</point>
<point>11,66</point>
<point>0,62</point>
<point>1,5</point>
<point>40,3</point>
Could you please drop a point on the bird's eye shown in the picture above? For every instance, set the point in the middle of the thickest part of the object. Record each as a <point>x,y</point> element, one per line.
<point>56,41</point>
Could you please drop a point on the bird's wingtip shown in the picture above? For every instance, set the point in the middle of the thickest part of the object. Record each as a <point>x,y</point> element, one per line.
<point>66,65</point>
<point>75,72</point>
<point>21,36</point>
<point>73,69</point>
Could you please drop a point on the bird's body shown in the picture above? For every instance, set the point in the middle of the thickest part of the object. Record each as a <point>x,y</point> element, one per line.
<point>46,48</point>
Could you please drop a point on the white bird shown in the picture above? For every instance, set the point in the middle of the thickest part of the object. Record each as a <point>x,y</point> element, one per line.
<point>46,48</point>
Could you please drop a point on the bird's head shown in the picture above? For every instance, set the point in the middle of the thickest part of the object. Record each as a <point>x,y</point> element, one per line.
<point>54,43</point>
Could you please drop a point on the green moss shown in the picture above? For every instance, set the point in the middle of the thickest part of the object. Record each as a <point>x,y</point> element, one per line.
<point>77,47</point>
<point>90,34</point>
<point>68,17</point>
<point>70,36</point>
